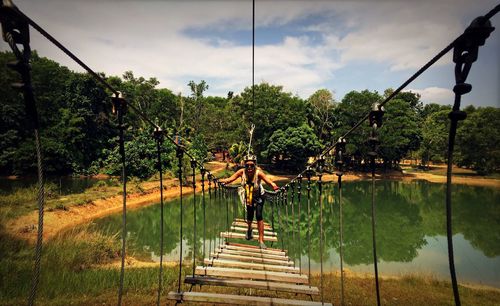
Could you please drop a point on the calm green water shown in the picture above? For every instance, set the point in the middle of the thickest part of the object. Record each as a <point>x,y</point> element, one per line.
<point>62,185</point>
<point>410,229</point>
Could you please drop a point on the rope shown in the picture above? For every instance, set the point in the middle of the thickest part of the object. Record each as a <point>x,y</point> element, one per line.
<point>41,203</point>
<point>276,202</point>
<point>320,186</point>
<point>203,172</point>
<point>193,167</point>
<point>375,265</point>
<point>23,67</point>
<point>341,241</point>
<point>180,155</point>
<point>308,174</point>
<point>253,56</point>
<point>293,220</point>
<point>160,170</point>
<point>299,199</point>
<point>119,104</point>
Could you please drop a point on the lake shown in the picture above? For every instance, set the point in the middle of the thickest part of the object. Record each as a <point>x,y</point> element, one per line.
<point>411,230</point>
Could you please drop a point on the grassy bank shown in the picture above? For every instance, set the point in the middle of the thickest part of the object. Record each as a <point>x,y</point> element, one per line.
<point>75,268</point>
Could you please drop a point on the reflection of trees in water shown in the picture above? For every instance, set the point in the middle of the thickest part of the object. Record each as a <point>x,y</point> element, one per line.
<point>143,226</point>
<point>406,213</point>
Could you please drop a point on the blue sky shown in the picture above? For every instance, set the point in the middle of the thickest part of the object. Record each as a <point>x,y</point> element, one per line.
<point>302,45</point>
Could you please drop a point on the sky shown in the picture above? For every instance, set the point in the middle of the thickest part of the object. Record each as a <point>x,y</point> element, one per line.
<point>303,46</point>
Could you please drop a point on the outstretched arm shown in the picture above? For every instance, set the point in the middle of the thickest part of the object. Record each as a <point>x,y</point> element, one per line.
<point>268,180</point>
<point>233,177</point>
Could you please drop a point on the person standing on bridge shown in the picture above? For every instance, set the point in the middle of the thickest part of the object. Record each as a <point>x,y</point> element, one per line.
<point>251,179</point>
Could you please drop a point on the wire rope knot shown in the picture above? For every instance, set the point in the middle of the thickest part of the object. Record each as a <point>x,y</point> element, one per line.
<point>466,50</point>
<point>375,120</point>
<point>339,155</point>
<point>158,135</point>
<point>119,105</point>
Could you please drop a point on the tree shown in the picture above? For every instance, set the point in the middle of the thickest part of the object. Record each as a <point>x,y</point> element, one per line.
<point>272,110</point>
<point>478,137</point>
<point>435,137</point>
<point>399,133</point>
<point>291,148</point>
<point>320,115</point>
<point>354,106</point>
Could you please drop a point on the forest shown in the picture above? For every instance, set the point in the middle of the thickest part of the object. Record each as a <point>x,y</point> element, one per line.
<point>79,132</point>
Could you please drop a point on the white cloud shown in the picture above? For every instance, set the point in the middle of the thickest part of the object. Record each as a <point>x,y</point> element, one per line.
<point>150,38</point>
<point>435,95</point>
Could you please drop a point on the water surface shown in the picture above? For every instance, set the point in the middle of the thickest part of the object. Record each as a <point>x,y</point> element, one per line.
<point>410,229</point>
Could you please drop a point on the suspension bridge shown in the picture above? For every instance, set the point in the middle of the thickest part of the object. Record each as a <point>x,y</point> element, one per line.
<point>237,264</point>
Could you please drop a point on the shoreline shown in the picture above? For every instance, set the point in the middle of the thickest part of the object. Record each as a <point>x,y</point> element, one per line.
<point>55,221</point>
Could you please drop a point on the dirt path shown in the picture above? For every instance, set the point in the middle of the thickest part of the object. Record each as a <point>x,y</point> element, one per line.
<point>25,227</point>
<point>55,221</point>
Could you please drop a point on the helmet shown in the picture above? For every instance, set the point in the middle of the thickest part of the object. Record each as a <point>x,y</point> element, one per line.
<point>250,157</point>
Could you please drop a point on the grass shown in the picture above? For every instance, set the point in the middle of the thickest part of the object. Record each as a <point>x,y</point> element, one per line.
<point>22,201</point>
<point>74,270</point>
<point>457,171</point>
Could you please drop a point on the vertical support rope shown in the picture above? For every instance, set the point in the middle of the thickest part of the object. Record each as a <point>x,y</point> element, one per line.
<point>341,244</point>
<point>119,104</point>
<point>180,155</point>
<point>375,117</point>
<point>193,167</point>
<point>374,241</point>
<point>320,186</point>
<point>41,204</point>
<point>209,178</point>
<point>16,31</point>
<point>159,139</point>
<point>292,198</point>
<point>284,198</point>
<point>339,161</point>
<point>299,199</point>
<point>282,238</point>
<point>253,56</point>
<point>309,173</point>
<point>203,172</point>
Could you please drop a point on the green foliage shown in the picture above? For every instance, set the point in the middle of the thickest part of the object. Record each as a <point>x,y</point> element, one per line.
<point>320,113</point>
<point>78,131</point>
<point>435,137</point>
<point>272,110</point>
<point>399,133</point>
<point>292,147</point>
<point>478,140</point>
<point>237,151</point>
<point>140,157</point>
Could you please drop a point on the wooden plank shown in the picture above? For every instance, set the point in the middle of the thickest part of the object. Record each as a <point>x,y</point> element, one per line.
<point>237,223</point>
<point>252,254</point>
<point>249,265</point>
<point>251,248</point>
<point>206,297</point>
<point>244,283</point>
<point>281,262</point>
<point>232,235</point>
<point>252,274</point>
<point>254,231</point>
<point>253,222</point>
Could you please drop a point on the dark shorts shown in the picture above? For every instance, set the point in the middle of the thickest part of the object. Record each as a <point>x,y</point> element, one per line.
<point>258,207</point>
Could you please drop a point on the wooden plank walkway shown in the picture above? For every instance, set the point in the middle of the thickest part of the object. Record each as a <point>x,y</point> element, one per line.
<point>249,265</point>
<point>254,231</point>
<point>251,254</point>
<point>244,283</point>
<point>233,235</point>
<point>205,297</point>
<point>282,262</point>
<point>242,265</point>
<point>244,224</point>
